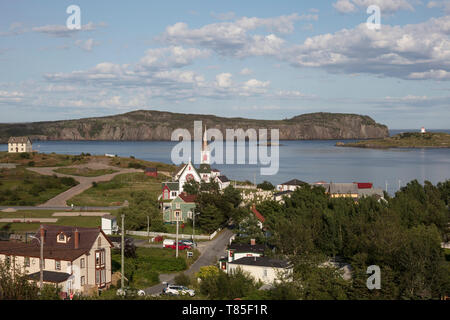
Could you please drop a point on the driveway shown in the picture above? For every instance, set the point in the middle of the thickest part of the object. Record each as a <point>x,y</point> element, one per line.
<point>210,251</point>
<point>84,182</point>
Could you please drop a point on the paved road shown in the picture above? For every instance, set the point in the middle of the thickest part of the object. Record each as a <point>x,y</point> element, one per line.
<point>211,251</point>
<point>84,182</point>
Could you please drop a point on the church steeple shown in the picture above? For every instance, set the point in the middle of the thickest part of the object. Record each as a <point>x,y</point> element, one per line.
<point>206,155</point>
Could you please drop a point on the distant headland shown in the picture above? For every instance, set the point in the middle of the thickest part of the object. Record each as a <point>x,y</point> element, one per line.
<point>405,140</point>
<point>149,125</point>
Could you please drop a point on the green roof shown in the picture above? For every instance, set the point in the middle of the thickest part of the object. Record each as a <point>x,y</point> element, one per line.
<point>204,168</point>
<point>171,185</point>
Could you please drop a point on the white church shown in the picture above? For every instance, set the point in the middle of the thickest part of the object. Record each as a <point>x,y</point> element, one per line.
<point>187,172</point>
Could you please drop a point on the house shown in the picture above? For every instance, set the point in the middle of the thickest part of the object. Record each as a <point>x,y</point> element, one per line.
<point>278,196</point>
<point>291,185</point>
<point>262,269</point>
<point>354,190</point>
<point>151,172</point>
<point>240,250</point>
<point>182,207</point>
<point>258,216</point>
<point>77,259</point>
<point>170,190</point>
<point>109,224</point>
<point>222,181</point>
<point>19,145</point>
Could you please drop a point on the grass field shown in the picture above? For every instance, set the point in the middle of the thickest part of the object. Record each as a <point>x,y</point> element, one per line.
<point>144,270</point>
<point>119,189</point>
<point>22,187</point>
<point>85,172</point>
<point>42,159</point>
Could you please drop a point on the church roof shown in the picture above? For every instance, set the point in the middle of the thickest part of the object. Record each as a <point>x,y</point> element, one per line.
<point>204,168</point>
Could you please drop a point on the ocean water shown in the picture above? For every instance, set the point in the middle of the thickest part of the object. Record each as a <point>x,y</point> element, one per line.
<point>310,161</point>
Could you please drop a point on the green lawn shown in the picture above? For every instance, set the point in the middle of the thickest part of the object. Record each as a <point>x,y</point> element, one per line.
<point>143,271</point>
<point>21,187</point>
<point>119,189</point>
<point>42,159</point>
<point>85,172</point>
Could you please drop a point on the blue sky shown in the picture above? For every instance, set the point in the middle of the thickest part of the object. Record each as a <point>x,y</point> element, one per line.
<point>257,59</point>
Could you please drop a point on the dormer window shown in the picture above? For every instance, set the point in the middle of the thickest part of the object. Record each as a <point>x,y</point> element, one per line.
<point>61,238</point>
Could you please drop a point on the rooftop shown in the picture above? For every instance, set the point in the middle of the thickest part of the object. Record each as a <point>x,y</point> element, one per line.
<point>19,140</point>
<point>50,276</point>
<point>246,247</point>
<point>294,182</point>
<point>261,262</point>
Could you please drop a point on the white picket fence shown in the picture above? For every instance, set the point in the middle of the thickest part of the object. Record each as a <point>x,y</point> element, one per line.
<point>173,235</point>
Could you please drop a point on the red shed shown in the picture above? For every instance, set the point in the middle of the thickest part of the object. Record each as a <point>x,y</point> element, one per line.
<point>151,172</point>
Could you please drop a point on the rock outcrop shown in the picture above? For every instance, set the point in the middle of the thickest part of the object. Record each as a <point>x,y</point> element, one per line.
<point>146,125</point>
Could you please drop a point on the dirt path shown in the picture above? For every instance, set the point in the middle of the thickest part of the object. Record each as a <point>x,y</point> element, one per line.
<point>85,182</point>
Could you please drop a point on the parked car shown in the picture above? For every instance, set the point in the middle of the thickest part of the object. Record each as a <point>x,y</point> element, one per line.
<point>130,292</point>
<point>181,246</point>
<point>178,290</point>
<point>168,242</point>
<point>188,242</point>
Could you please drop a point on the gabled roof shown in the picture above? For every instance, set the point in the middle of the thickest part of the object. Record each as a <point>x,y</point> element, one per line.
<point>282,193</point>
<point>50,276</point>
<point>215,170</point>
<point>342,188</point>
<point>204,168</point>
<point>188,197</point>
<point>245,247</point>
<point>261,262</point>
<point>294,182</point>
<point>223,179</point>
<point>19,140</point>
<point>180,173</point>
<point>258,214</point>
<point>173,186</point>
<point>52,248</point>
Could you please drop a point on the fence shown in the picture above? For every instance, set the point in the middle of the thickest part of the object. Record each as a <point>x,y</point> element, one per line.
<point>172,235</point>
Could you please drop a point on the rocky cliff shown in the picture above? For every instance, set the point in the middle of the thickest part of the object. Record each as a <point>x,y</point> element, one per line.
<point>156,125</point>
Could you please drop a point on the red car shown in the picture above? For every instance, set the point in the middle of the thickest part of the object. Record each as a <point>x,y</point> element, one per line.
<point>181,246</point>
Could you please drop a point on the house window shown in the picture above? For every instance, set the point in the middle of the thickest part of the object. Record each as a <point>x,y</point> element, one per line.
<point>97,276</point>
<point>82,280</point>
<point>99,257</point>
<point>82,263</point>
<point>99,242</point>
<point>62,238</point>
<point>174,193</point>
<point>27,261</point>
<point>166,194</point>
<point>57,265</point>
<point>177,206</point>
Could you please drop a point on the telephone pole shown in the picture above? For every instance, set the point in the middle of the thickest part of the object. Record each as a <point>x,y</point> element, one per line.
<point>176,242</point>
<point>41,264</point>
<point>122,247</point>
<point>148,228</point>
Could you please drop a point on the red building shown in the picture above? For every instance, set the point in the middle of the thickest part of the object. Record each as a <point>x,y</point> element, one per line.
<point>151,172</point>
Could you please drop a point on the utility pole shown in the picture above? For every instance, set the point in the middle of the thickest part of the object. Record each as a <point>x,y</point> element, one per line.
<point>386,186</point>
<point>122,247</point>
<point>176,242</point>
<point>193,225</point>
<point>148,228</point>
<point>41,265</point>
<point>399,184</point>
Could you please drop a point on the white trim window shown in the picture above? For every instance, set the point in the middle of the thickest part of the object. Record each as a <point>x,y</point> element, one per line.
<point>57,265</point>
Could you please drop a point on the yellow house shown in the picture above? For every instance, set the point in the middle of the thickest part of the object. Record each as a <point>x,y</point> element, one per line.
<point>77,259</point>
<point>19,144</point>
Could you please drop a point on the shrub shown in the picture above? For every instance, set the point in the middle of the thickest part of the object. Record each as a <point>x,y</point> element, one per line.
<point>182,280</point>
<point>25,155</point>
<point>31,164</point>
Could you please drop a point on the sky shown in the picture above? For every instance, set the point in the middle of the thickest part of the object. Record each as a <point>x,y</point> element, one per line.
<point>256,59</point>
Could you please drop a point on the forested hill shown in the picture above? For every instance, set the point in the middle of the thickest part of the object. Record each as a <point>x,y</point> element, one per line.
<point>157,125</point>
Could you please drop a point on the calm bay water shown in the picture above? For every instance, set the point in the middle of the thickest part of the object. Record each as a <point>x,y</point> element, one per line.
<point>309,161</point>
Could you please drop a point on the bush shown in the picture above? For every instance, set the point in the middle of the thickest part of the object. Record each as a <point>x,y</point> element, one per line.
<point>31,164</point>
<point>25,155</point>
<point>182,280</point>
<point>135,165</point>
<point>266,185</point>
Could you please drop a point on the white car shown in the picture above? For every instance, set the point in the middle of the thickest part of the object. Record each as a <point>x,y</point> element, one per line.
<point>178,290</point>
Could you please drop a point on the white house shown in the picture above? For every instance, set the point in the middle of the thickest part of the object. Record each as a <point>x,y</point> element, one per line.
<point>77,259</point>
<point>109,224</point>
<point>262,269</point>
<point>291,185</point>
<point>222,181</point>
<point>19,145</point>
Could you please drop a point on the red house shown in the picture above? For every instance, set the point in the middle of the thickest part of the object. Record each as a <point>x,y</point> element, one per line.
<point>151,172</point>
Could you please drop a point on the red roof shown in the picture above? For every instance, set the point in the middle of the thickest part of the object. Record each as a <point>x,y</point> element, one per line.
<point>364,185</point>
<point>188,197</point>
<point>258,215</point>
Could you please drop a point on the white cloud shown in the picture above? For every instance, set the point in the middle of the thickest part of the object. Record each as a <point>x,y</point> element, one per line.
<point>223,80</point>
<point>173,56</point>
<point>246,72</point>
<point>387,6</point>
<point>87,45</point>
<point>61,31</point>
<point>444,4</point>
<point>11,96</point>
<point>409,51</point>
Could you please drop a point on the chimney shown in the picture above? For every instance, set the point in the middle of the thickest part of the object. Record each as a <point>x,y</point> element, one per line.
<point>77,239</point>
<point>252,242</point>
